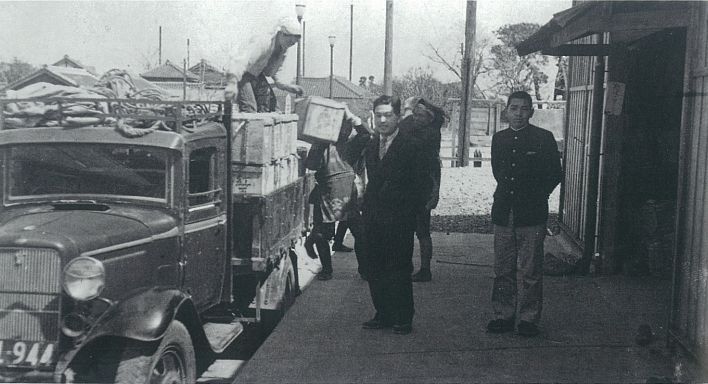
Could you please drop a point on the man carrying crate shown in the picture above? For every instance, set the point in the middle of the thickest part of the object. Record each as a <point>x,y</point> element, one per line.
<point>335,196</point>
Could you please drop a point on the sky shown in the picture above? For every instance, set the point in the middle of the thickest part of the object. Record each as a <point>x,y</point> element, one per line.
<point>124,34</point>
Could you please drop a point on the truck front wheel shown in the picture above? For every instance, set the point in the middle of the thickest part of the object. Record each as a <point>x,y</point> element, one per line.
<point>172,362</point>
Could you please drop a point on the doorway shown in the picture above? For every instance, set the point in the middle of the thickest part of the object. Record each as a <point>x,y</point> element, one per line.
<point>650,153</point>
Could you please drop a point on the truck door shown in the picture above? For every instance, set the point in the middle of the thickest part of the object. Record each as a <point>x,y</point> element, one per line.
<point>205,241</point>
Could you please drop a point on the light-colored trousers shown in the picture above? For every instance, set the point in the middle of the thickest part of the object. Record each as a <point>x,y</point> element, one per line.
<point>518,272</point>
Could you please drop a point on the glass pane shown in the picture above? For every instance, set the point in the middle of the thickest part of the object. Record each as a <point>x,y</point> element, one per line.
<point>87,169</point>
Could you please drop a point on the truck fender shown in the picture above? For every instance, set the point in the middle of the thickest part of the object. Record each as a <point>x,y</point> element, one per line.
<point>144,316</point>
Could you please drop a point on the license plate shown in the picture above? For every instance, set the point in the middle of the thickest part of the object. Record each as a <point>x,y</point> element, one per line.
<point>26,354</point>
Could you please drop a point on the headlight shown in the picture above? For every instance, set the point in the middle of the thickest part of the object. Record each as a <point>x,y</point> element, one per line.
<point>84,278</point>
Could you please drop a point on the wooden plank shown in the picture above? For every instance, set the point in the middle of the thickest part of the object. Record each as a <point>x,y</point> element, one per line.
<point>679,286</point>
<point>697,220</point>
<point>699,257</point>
<point>690,210</point>
<point>685,291</point>
<point>612,136</point>
<point>637,21</point>
<point>580,50</point>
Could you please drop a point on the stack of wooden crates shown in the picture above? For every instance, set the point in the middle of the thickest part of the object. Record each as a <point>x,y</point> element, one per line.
<point>264,152</point>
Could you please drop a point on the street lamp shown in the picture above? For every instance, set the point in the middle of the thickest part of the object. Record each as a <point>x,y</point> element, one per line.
<point>331,39</point>
<point>300,12</point>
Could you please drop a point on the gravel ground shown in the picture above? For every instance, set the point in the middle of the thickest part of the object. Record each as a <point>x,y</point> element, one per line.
<point>466,200</point>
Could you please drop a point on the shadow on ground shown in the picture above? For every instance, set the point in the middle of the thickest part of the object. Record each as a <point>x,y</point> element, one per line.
<point>474,223</point>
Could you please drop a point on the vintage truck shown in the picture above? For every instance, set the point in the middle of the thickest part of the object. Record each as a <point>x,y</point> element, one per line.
<point>129,259</point>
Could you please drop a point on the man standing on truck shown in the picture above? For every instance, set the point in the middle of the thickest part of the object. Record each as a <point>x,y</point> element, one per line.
<point>246,79</point>
<point>398,187</point>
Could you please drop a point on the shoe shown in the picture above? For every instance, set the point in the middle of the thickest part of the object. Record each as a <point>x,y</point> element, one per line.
<point>341,248</point>
<point>500,325</point>
<point>324,276</point>
<point>421,276</point>
<point>375,323</point>
<point>528,329</point>
<point>402,329</point>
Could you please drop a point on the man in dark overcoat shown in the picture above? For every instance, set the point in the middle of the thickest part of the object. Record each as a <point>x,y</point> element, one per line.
<point>527,168</point>
<point>423,120</point>
<point>398,186</point>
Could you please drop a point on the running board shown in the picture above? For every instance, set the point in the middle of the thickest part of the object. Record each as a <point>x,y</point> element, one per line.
<point>221,335</point>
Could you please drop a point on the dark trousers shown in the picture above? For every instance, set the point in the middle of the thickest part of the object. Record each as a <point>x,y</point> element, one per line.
<point>392,295</point>
<point>319,238</point>
<point>342,227</point>
<point>255,95</point>
<point>356,225</point>
<point>422,231</point>
<point>389,263</point>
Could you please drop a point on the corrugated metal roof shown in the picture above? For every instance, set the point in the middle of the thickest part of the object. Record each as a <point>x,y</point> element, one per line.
<point>168,71</point>
<point>591,17</point>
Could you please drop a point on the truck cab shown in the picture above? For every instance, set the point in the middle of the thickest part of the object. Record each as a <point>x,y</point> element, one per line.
<point>116,258</point>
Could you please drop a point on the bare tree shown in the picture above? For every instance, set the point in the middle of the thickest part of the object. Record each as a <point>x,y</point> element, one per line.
<point>421,82</point>
<point>451,59</point>
<point>148,60</point>
<point>14,70</point>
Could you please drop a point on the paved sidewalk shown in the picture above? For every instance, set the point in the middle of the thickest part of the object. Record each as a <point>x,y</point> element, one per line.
<point>588,329</point>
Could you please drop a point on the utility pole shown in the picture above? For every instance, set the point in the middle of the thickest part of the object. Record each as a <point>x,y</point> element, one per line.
<point>388,50</point>
<point>303,48</point>
<point>184,80</point>
<point>463,142</point>
<point>351,37</point>
<point>300,12</point>
<point>187,53</point>
<point>159,49</point>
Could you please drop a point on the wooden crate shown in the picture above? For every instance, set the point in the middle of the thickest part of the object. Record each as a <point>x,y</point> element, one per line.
<point>252,141</point>
<point>319,120</point>
<point>254,179</point>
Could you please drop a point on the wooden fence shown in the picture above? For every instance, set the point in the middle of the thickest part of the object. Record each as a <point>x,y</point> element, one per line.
<point>487,119</point>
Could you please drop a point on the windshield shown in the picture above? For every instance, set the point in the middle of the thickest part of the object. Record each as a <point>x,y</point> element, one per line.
<point>85,169</point>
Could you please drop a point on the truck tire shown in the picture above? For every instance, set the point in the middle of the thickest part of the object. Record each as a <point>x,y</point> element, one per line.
<point>172,362</point>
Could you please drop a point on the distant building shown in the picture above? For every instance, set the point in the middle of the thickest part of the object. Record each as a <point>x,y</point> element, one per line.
<point>68,62</point>
<point>69,76</point>
<point>359,99</point>
<point>173,79</point>
<point>169,72</point>
<point>209,75</point>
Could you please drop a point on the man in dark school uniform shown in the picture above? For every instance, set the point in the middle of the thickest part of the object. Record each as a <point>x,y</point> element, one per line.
<point>527,168</point>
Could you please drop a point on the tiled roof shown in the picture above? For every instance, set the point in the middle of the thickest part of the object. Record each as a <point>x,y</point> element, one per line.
<point>80,76</point>
<point>76,77</point>
<point>67,61</point>
<point>341,88</point>
<point>168,71</point>
<point>212,75</point>
<point>207,67</point>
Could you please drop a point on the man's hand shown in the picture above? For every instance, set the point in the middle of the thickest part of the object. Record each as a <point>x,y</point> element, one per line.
<point>433,201</point>
<point>354,119</point>
<point>296,89</point>
<point>230,92</point>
